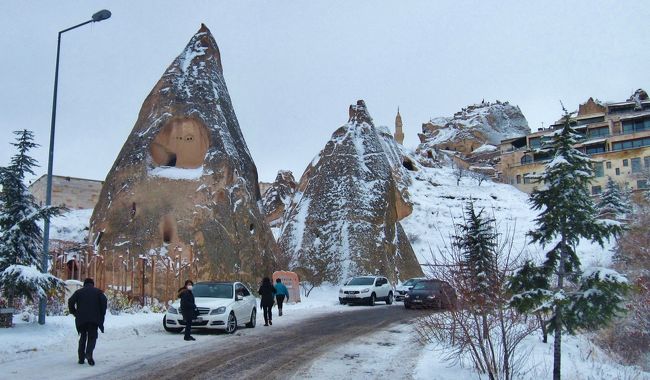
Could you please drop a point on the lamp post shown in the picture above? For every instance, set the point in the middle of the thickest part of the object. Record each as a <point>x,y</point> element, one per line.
<point>99,16</point>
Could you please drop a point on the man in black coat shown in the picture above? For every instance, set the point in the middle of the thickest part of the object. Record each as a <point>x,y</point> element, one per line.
<point>188,307</point>
<point>88,305</point>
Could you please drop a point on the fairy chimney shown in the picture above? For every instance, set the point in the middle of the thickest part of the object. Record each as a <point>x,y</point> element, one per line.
<point>183,190</point>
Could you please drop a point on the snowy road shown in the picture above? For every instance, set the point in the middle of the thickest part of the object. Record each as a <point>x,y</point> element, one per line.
<point>268,352</point>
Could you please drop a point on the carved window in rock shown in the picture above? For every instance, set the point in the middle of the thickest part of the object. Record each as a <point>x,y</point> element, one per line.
<point>182,142</point>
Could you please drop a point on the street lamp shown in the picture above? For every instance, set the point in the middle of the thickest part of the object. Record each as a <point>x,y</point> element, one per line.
<point>99,16</point>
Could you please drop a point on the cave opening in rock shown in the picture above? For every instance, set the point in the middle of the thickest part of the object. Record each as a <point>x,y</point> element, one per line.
<point>408,164</point>
<point>168,229</point>
<point>172,160</point>
<point>182,142</point>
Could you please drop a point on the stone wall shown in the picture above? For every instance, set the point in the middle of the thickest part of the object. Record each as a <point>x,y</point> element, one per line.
<point>71,192</point>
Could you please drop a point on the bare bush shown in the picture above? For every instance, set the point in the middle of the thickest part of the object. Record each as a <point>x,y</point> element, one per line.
<point>483,331</point>
<point>629,337</point>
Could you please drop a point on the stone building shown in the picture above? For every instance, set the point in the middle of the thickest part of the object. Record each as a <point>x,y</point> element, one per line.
<point>616,136</point>
<point>71,192</point>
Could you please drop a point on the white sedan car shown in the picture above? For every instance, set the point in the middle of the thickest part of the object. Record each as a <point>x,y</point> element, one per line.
<point>222,306</point>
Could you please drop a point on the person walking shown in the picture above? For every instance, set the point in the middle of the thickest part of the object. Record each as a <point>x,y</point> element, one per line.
<point>267,291</point>
<point>188,308</point>
<point>88,305</point>
<point>281,292</point>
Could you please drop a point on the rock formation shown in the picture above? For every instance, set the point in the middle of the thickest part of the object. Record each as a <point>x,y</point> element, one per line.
<point>472,128</point>
<point>184,189</point>
<point>344,219</point>
<point>278,197</point>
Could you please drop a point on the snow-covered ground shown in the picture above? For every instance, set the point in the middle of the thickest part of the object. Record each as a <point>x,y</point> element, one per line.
<point>438,203</point>
<point>28,348</point>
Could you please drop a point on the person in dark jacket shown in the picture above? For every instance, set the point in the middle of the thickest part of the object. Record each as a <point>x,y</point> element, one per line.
<point>88,305</point>
<point>267,291</point>
<point>281,292</point>
<point>188,307</point>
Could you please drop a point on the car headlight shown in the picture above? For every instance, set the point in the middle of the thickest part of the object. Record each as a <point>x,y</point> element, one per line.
<point>407,295</point>
<point>366,290</point>
<point>172,310</point>
<point>431,297</point>
<point>219,310</point>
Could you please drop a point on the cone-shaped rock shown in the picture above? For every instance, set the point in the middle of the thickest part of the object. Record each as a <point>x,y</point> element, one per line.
<point>278,197</point>
<point>344,217</point>
<point>184,186</point>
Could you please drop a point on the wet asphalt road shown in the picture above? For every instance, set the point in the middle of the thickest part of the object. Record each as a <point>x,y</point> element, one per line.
<point>267,354</point>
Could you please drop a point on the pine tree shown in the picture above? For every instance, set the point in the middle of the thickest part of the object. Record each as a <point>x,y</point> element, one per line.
<point>477,241</point>
<point>613,203</point>
<point>20,235</point>
<point>567,213</point>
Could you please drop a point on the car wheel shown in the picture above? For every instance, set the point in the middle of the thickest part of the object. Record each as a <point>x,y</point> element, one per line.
<point>231,324</point>
<point>371,302</point>
<point>170,329</point>
<point>406,305</point>
<point>342,302</point>
<point>389,299</point>
<point>253,321</point>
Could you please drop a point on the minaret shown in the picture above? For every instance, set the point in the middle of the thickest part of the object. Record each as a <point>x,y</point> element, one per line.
<point>399,134</point>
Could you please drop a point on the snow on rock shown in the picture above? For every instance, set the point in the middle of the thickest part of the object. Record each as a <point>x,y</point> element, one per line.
<point>345,219</point>
<point>277,198</point>
<point>473,127</point>
<point>185,177</point>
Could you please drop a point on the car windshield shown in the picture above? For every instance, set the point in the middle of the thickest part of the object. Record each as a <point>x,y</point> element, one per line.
<point>212,290</point>
<point>411,282</point>
<point>426,285</point>
<point>362,281</point>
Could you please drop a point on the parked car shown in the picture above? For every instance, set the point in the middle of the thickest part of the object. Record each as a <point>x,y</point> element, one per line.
<point>403,288</point>
<point>431,293</point>
<point>222,306</point>
<point>366,289</point>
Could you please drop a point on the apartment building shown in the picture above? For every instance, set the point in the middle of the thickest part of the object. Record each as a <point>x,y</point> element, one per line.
<point>616,136</point>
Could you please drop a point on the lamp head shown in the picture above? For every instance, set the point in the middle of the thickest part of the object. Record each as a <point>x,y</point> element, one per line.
<point>101,15</point>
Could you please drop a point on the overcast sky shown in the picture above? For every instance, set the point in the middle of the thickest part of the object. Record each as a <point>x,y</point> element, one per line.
<point>293,67</point>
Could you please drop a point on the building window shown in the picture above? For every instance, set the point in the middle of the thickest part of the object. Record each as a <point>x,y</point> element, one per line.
<point>638,125</point>
<point>636,165</point>
<point>594,149</point>
<point>642,184</point>
<point>596,190</point>
<point>535,143</point>
<point>618,171</point>
<point>625,162</point>
<point>646,162</point>
<point>598,169</point>
<point>608,164</point>
<point>526,178</point>
<point>630,144</point>
<point>526,159</point>
<point>598,132</point>
<point>518,178</point>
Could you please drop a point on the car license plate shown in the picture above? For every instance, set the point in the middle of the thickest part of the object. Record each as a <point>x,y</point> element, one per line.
<point>199,319</point>
<point>417,301</point>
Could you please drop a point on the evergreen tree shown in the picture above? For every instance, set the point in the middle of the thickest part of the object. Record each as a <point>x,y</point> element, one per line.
<point>567,214</point>
<point>476,240</point>
<point>613,202</point>
<point>20,235</point>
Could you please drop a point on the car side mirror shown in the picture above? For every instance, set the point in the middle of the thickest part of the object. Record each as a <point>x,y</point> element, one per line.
<point>239,297</point>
